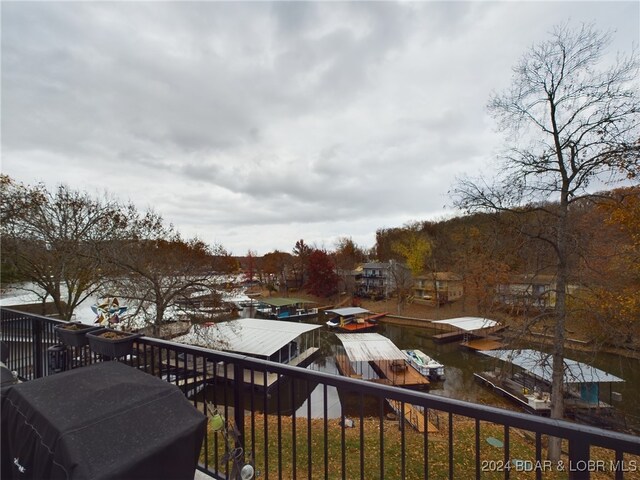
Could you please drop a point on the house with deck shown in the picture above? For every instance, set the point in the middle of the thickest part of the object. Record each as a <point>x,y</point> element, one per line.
<point>530,291</point>
<point>381,280</point>
<point>438,288</point>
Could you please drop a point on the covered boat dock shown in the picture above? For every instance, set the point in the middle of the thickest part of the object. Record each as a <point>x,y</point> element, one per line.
<point>292,343</point>
<point>528,380</point>
<point>289,308</point>
<point>353,319</point>
<point>475,332</point>
<point>374,357</point>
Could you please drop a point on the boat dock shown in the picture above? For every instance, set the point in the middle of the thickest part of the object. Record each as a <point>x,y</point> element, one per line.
<point>363,352</point>
<point>259,379</point>
<point>345,368</point>
<point>490,342</point>
<point>413,416</point>
<point>465,328</point>
<point>398,373</point>
<point>447,337</point>
<point>527,381</point>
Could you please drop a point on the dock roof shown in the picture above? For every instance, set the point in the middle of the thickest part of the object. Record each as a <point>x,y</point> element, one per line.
<point>468,324</point>
<point>252,336</point>
<point>363,347</point>
<point>540,364</point>
<point>282,302</point>
<point>345,312</point>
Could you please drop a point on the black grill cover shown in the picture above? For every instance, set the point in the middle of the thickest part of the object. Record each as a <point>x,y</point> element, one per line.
<point>105,421</point>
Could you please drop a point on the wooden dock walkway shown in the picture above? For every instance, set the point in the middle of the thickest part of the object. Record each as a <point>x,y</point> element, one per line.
<point>447,337</point>
<point>399,373</point>
<point>344,365</point>
<point>413,416</point>
<point>481,344</point>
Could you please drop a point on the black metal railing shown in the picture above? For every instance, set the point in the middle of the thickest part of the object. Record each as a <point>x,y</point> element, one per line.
<point>289,422</point>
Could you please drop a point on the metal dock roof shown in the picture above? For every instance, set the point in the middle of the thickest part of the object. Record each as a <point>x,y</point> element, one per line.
<point>363,347</point>
<point>468,324</point>
<point>540,364</point>
<point>345,312</point>
<point>253,336</point>
<point>282,302</point>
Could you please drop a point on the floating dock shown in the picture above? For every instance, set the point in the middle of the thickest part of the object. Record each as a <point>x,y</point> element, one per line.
<point>481,344</point>
<point>529,381</point>
<point>399,373</point>
<point>364,352</point>
<point>465,328</point>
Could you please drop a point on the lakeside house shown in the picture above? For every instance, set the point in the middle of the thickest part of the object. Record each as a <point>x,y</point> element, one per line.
<point>380,280</point>
<point>438,288</point>
<point>525,291</point>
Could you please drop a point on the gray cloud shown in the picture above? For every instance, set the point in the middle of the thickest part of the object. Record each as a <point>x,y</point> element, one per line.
<point>256,124</point>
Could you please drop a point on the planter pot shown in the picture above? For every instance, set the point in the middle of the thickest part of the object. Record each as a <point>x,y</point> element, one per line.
<point>115,344</point>
<point>73,334</point>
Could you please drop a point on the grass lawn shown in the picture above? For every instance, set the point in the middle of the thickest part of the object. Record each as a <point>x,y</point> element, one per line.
<point>404,452</point>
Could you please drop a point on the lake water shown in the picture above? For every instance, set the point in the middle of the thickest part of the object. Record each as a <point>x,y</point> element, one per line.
<point>460,365</point>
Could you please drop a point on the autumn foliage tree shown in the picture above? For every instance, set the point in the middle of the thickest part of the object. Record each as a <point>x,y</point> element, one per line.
<point>611,300</point>
<point>322,278</point>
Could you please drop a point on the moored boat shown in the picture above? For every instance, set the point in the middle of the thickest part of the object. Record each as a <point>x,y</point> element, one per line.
<point>426,365</point>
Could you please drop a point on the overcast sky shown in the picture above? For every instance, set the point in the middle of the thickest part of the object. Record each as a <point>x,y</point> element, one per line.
<point>253,125</point>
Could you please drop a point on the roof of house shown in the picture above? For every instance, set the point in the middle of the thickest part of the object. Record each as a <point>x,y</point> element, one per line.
<point>442,276</point>
<point>363,347</point>
<point>252,336</point>
<point>531,279</point>
<point>376,265</point>
<point>468,324</point>
<point>540,364</point>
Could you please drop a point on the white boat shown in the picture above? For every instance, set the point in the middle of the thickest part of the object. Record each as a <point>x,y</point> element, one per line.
<point>426,365</point>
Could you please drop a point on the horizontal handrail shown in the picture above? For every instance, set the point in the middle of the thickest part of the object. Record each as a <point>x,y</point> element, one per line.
<point>580,437</point>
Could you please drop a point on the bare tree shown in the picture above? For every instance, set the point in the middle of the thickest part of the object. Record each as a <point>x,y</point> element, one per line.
<point>570,124</point>
<point>163,272</point>
<point>54,239</point>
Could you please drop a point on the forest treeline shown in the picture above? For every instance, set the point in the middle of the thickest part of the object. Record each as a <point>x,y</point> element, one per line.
<point>73,246</point>
<point>489,249</point>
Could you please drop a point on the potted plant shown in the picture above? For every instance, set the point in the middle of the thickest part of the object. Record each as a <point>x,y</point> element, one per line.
<point>72,334</point>
<point>107,341</point>
<point>111,343</point>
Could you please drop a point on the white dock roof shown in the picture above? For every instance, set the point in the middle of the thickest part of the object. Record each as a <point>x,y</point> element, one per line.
<point>345,312</point>
<point>362,347</point>
<point>253,336</point>
<point>540,364</point>
<point>468,324</point>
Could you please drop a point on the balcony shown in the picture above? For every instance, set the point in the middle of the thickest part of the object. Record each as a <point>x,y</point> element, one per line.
<point>296,428</point>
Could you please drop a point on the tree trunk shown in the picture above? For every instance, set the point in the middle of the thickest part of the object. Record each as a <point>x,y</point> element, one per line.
<point>557,383</point>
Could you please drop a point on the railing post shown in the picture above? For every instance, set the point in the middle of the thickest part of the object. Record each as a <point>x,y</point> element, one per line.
<point>238,397</point>
<point>579,467</point>
<point>36,326</point>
